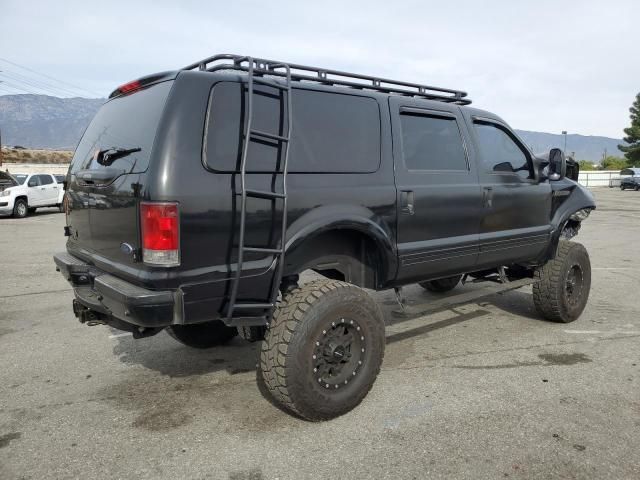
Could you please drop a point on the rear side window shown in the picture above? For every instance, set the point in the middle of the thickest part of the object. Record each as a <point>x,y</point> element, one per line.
<point>499,151</point>
<point>45,179</point>
<point>431,142</point>
<point>125,122</point>
<point>332,133</point>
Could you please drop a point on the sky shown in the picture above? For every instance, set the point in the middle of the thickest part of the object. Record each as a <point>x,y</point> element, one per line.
<point>541,65</point>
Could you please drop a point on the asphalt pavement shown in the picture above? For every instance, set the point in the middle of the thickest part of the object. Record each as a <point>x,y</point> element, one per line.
<point>478,386</point>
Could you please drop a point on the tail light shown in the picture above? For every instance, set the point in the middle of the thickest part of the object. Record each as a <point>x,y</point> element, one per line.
<point>160,225</point>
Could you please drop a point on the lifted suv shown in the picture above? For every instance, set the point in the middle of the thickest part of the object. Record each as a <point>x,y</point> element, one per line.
<point>197,197</point>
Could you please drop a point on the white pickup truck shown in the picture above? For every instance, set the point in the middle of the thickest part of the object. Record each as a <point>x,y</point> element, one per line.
<point>21,194</point>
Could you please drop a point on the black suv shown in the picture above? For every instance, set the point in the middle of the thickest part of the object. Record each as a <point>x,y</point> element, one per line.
<point>631,181</point>
<point>197,197</point>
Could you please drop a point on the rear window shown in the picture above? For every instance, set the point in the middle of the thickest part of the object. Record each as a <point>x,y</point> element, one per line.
<point>125,122</point>
<point>332,132</point>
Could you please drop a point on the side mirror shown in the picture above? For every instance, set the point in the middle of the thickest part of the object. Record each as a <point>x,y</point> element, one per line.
<point>32,183</point>
<point>557,164</point>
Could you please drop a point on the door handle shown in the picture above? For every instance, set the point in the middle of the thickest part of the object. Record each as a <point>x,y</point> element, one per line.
<point>406,202</point>
<point>487,197</point>
<point>42,188</point>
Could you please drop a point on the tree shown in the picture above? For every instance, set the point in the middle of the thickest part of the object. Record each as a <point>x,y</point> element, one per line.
<point>585,165</point>
<point>632,150</point>
<point>614,163</point>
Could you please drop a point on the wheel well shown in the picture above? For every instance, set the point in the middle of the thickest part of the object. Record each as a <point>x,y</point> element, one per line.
<point>346,255</point>
<point>22,197</point>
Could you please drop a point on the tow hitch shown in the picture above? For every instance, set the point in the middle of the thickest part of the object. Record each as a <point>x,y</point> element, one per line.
<point>86,315</point>
<point>92,318</point>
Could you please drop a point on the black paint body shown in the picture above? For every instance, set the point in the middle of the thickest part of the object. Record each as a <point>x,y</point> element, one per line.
<point>381,229</point>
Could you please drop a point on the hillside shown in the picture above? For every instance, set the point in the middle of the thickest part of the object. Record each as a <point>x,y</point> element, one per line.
<point>11,155</point>
<point>41,121</point>
<point>585,147</point>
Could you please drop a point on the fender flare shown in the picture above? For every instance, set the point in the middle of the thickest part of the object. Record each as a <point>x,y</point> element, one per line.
<point>577,198</point>
<point>346,218</point>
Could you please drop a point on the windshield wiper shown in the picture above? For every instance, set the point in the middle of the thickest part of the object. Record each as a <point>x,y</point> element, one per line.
<point>109,155</point>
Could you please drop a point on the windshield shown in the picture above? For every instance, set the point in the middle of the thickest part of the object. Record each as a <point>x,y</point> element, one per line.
<point>127,122</point>
<point>20,177</point>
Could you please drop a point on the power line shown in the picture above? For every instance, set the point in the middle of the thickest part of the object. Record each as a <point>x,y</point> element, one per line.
<point>15,87</point>
<point>37,83</point>
<point>50,77</point>
<point>28,85</point>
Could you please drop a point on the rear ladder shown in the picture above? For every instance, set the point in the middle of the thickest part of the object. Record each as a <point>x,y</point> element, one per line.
<point>239,313</point>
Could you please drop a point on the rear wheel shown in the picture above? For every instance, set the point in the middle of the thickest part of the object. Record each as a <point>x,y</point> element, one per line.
<point>203,335</point>
<point>323,349</point>
<point>441,285</point>
<point>20,208</point>
<point>562,285</point>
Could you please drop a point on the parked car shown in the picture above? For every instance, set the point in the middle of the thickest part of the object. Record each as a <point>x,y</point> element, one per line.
<point>196,198</point>
<point>632,181</point>
<point>27,192</point>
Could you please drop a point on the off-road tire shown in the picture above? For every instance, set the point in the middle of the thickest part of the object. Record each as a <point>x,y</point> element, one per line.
<point>562,285</point>
<point>20,208</point>
<point>441,285</point>
<point>203,335</point>
<point>305,324</point>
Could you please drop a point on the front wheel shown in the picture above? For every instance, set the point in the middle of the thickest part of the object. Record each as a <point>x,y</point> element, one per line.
<point>562,285</point>
<point>20,208</point>
<point>202,335</point>
<point>621,187</point>
<point>441,285</point>
<point>323,349</point>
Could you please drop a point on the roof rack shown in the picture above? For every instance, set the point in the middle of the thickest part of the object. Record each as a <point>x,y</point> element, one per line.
<point>327,76</point>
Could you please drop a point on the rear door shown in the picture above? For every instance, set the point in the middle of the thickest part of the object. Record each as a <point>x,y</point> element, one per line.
<point>103,195</point>
<point>438,195</point>
<point>517,208</point>
<point>48,189</point>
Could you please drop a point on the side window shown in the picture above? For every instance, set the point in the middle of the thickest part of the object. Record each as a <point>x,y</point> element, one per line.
<point>499,151</point>
<point>432,143</point>
<point>45,179</point>
<point>331,132</point>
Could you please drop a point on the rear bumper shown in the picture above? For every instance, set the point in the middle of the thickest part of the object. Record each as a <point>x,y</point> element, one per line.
<point>112,297</point>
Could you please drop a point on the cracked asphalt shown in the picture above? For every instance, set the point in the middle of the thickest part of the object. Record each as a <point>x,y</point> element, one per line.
<point>477,386</point>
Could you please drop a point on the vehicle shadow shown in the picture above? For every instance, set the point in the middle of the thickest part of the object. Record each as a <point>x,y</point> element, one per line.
<point>165,355</point>
<point>515,302</point>
<point>42,212</point>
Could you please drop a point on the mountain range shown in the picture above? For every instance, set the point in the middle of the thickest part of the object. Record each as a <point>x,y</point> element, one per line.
<point>42,121</point>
